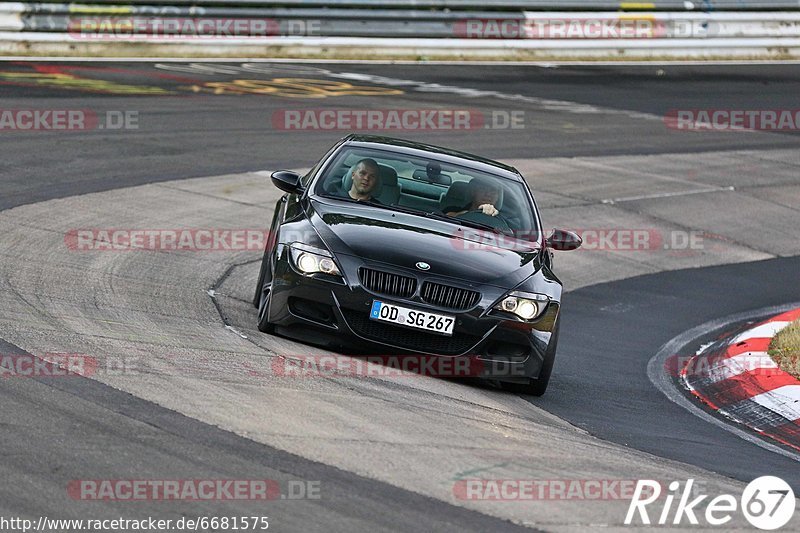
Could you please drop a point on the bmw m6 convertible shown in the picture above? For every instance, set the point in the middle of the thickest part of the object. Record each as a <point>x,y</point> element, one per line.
<point>393,246</point>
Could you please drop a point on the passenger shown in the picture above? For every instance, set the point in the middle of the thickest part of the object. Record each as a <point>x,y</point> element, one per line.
<point>484,194</point>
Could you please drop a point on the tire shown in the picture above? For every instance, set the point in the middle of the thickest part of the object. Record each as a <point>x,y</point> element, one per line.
<point>538,386</point>
<point>260,284</point>
<point>263,293</point>
<point>264,325</point>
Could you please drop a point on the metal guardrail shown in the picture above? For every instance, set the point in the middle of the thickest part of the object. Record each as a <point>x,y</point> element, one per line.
<point>450,28</point>
<point>480,5</point>
<point>91,21</point>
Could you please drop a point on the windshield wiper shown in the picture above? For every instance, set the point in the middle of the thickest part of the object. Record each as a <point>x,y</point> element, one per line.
<point>440,216</point>
<point>470,223</point>
<point>460,222</point>
<point>479,225</point>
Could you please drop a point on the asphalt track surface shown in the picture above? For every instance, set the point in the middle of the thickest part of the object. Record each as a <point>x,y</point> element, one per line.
<point>185,134</point>
<point>58,430</point>
<point>646,313</point>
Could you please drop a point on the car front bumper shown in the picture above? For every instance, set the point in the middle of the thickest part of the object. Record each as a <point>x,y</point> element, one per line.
<point>337,315</point>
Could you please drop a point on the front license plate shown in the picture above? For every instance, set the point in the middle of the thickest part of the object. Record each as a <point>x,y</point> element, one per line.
<point>413,318</point>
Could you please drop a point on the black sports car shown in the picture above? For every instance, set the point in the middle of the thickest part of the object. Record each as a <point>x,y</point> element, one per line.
<point>400,247</point>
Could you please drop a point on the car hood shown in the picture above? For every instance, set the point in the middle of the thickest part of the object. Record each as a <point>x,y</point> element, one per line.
<point>402,240</point>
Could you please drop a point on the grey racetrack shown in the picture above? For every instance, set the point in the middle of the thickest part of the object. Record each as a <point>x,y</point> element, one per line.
<point>597,154</point>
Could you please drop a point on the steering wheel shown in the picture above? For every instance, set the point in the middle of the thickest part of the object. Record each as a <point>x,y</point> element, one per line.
<point>497,221</point>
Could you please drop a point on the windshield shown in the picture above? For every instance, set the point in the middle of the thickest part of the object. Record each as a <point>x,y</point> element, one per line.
<point>432,188</point>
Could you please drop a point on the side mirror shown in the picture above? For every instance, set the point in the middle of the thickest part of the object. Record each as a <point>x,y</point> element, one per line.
<point>563,240</point>
<point>287,181</point>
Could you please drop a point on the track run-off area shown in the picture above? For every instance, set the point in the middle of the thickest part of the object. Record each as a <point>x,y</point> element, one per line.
<point>682,227</point>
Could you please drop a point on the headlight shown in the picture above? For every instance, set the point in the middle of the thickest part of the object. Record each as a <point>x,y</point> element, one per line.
<point>313,260</point>
<point>525,305</point>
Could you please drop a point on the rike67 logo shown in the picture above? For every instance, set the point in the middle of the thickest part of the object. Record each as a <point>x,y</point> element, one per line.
<point>767,503</point>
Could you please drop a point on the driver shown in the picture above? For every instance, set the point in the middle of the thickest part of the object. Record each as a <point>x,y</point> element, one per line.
<point>365,178</point>
<point>484,194</point>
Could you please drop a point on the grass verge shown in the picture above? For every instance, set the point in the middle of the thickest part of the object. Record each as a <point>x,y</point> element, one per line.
<point>785,349</point>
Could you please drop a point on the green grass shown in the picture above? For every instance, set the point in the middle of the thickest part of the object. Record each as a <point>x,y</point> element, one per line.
<point>785,349</point>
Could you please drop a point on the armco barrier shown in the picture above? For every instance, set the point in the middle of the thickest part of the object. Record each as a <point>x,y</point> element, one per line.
<point>409,24</point>
<point>395,28</point>
<point>483,5</point>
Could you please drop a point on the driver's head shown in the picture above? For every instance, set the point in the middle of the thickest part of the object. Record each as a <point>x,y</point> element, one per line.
<point>483,191</point>
<point>365,177</point>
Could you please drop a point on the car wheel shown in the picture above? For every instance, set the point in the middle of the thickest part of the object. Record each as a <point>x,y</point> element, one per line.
<point>260,284</point>
<point>263,293</point>
<point>538,386</point>
<point>263,312</point>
